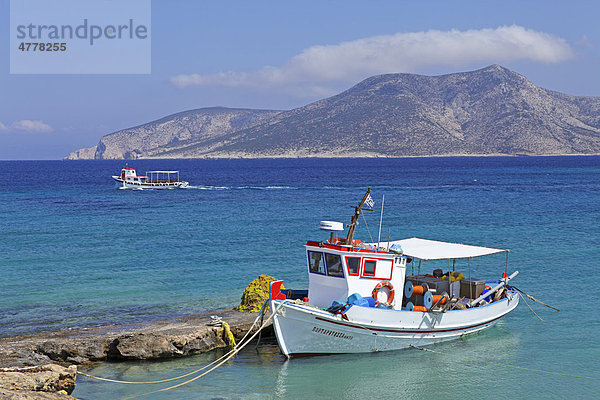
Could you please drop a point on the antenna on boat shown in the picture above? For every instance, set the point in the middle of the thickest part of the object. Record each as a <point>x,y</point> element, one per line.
<point>380,220</point>
<point>357,211</point>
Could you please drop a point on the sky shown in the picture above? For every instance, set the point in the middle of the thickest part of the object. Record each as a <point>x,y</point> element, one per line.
<point>282,55</point>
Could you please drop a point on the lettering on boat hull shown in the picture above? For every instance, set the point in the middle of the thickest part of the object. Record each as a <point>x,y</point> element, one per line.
<point>329,332</point>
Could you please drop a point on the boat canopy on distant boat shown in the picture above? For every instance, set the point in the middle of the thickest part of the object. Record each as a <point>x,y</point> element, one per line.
<point>152,180</point>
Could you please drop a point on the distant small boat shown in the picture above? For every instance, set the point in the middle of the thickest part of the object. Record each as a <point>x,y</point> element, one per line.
<point>152,180</point>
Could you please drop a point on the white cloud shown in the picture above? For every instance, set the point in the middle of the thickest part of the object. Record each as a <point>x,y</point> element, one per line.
<point>3,127</point>
<point>30,126</point>
<point>317,68</point>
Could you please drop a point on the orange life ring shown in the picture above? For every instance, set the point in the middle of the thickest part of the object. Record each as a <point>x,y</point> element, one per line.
<point>390,287</point>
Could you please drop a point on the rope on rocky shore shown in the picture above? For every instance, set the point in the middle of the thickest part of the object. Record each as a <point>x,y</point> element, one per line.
<point>223,359</point>
<point>189,373</point>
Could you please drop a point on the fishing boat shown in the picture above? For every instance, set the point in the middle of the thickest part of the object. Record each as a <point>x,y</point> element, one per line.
<point>152,180</point>
<point>369,297</point>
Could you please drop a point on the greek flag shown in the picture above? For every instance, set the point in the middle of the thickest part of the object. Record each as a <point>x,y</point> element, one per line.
<point>370,202</point>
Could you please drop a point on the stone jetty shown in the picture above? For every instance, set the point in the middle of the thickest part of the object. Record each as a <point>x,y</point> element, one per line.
<point>44,366</point>
<point>56,355</point>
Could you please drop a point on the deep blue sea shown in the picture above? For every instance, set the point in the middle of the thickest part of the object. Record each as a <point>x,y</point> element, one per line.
<point>77,252</point>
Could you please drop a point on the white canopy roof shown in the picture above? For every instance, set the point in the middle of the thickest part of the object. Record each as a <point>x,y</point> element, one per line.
<point>425,249</point>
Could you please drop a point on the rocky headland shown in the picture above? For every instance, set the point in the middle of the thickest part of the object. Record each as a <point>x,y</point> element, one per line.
<point>491,111</point>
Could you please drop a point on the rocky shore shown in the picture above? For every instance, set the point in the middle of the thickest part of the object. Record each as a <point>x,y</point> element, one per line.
<point>49,381</point>
<point>44,366</point>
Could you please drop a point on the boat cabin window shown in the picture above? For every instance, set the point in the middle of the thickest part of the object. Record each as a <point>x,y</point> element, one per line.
<point>325,264</point>
<point>369,268</point>
<point>353,264</point>
<point>315,262</point>
<point>377,269</point>
<point>334,265</point>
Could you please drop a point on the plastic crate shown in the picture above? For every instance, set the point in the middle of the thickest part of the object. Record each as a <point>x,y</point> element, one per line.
<point>472,288</point>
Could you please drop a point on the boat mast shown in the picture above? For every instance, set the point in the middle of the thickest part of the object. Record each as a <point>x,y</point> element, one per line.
<point>381,220</point>
<point>354,221</point>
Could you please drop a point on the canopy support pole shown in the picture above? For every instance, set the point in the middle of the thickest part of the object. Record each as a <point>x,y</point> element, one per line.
<point>470,282</point>
<point>380,220</point>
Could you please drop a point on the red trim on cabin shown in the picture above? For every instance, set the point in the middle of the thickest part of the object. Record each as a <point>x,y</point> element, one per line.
<point>374,276</point>
<point>364,273</point>
<point>348,268</point>
<point>405,330</point>
<point>326,245</point>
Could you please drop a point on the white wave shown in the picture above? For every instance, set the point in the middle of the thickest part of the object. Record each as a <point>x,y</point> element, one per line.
<point>272,187</point>
<point>207,187</point>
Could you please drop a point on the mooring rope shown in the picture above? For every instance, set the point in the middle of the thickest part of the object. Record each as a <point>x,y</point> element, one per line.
<point>233,353</point>
<point>180,376</point>
<point>521,296</point>
<point>261,314</point>
<point>506,365</point>
<point>533,298</point>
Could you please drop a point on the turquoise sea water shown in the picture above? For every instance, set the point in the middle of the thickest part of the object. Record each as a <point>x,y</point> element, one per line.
<point>76,252</point>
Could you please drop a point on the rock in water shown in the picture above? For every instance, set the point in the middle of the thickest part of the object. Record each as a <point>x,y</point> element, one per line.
<point>255,294</point>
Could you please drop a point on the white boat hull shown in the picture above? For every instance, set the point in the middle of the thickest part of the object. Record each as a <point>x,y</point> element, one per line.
<point>303,330</point>
<point>123,184</point>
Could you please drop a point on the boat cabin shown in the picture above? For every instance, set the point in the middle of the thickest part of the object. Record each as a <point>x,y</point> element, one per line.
<point>128,173</point>
<point>337,271</point>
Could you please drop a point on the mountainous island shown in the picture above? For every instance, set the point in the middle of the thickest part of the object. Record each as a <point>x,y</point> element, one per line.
<point>491,111</point>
